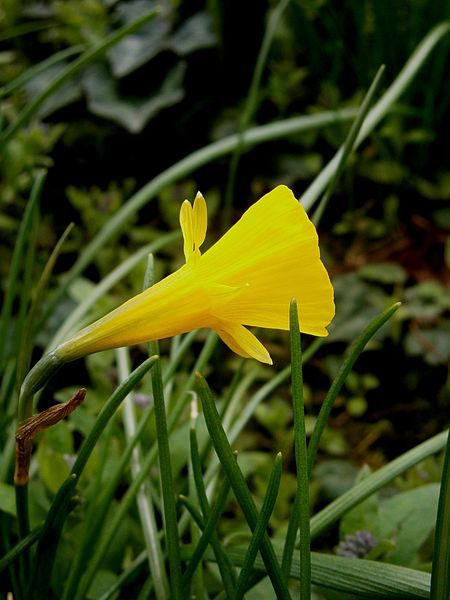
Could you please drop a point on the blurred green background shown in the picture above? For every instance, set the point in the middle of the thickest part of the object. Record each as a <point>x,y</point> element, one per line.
<point>181,82</point>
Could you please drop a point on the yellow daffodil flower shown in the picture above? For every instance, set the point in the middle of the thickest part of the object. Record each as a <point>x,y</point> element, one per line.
<point>247,278</point>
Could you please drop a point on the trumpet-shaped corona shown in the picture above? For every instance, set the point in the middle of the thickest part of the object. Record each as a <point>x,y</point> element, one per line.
<point>247,278</point>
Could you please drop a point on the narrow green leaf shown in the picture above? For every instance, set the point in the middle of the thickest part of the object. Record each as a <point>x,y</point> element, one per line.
<point>48,542</point>
<point>349,144</point>
<point>24,28</point>
<point>109,409</point>
<point>300,514</point>
<point>208,530</point>
<point>194,584</point>
<point>355,350</point>
<point>95,526</point>
<point>255,400</point>
<point>39,68</point>
<point>24,544</point>
<point>227,574</point>
<point>270,498</point>
<point>36,297</point>
<point>334,511</point>
<point>440,576</point>
<point>381,108</point>
<point>237,481</point>
<point>165,465</point>
<point>144,496</point>
<point>358,577</point>
<point>17,259</point>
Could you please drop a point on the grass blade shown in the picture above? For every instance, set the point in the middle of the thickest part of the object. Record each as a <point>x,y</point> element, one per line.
<point>49,539</point>
<point>167,487</point>
<point>334,511</point>
<point>39,68</point>
<point>227,574</point>
<point>348,145</point>
<point>38,292</point>
<point>300,514</point>
<point>144,497</point>
<point>440,576</point>
<point>15,552</point>
<point>208,530</point>
<point>362,578</point>
<point>261,527</point>
<point>94,528</point>
<point>381,108</point>
<point>108,411</point>
<point>355,350</point>
<point>237,481</point>
<point>17,260</point>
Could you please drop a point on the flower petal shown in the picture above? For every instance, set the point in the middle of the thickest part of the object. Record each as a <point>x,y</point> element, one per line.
<point>187,229</point>
<point>272,255</point>
<point>243,342</point>
<point>199,220</point>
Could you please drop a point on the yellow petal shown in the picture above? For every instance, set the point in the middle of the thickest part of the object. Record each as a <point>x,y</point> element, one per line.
<point>187,229</point>
<point>199,220</point>
<point>243,342</point>
<point>272,255</point>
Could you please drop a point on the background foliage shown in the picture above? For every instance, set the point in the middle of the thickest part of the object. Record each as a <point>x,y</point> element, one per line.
<point>171,87</point>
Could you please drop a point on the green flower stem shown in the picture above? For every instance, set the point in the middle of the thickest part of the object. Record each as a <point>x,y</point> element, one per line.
<point>39,375</point>
<point>226,571</point>
<point>440,575</point>
<point>56,512</point>
<point>261,527</point>
<point>362,490</point>
<point>355,350</point>
<point>23,519</point>
<point>300,514</point>
<point>80,63</point>
<point>237,481</point>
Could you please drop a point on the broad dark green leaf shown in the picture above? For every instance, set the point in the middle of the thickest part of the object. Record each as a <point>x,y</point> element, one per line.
<point>133,113</point>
